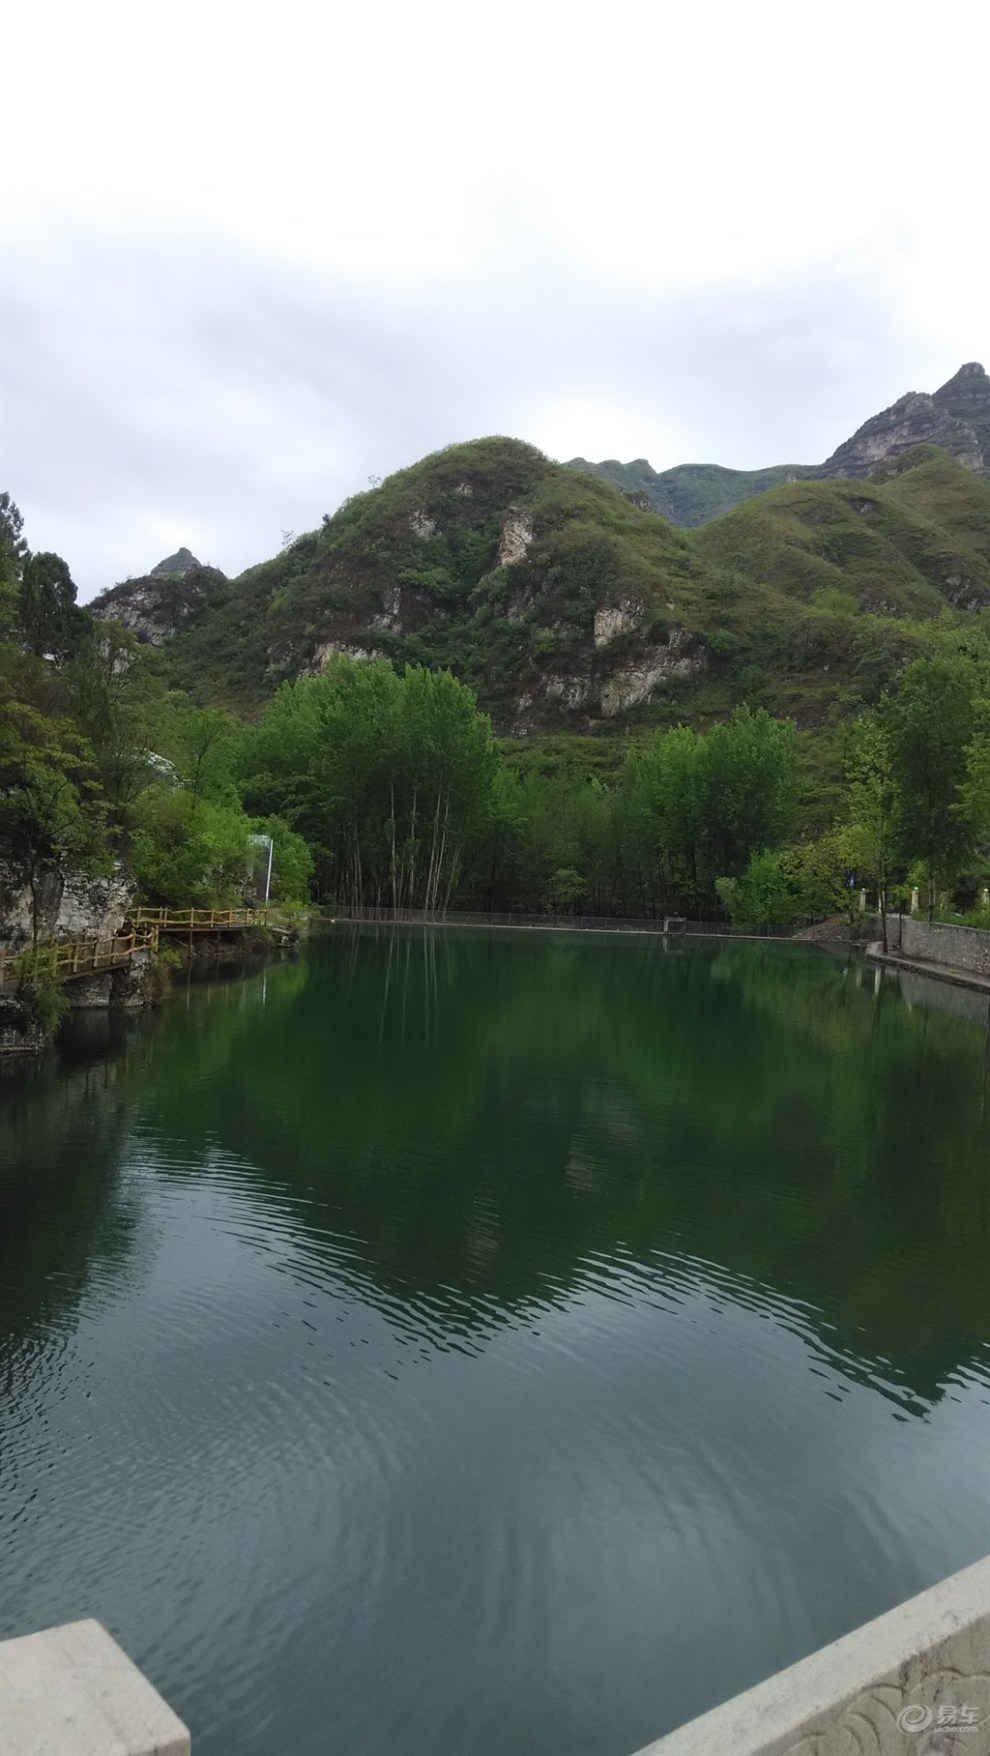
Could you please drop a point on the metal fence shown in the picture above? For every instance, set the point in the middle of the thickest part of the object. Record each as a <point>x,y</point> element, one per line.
<point>662,926</point>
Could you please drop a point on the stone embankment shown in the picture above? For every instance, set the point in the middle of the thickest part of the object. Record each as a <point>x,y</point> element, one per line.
<point>937,948</point>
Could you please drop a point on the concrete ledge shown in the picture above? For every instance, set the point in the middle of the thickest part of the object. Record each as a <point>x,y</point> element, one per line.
<point>940,972</point>
<point>916,1680</point>
<point>71,1691</point>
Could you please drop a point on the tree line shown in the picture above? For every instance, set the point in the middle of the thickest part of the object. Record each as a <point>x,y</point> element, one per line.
<point>390,790</point>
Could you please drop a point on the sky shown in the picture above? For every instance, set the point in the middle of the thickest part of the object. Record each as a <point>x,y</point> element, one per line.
<point>253,257</point>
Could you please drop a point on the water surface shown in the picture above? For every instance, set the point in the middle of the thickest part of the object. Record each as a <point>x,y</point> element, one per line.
<point>494,1342</point>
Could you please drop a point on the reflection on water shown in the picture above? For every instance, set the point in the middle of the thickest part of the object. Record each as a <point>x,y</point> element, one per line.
<point>494,1342</point>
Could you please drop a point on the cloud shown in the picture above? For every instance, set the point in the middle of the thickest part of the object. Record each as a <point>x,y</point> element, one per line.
<point>249,264</point>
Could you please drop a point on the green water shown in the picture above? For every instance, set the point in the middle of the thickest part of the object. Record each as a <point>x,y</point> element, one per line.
<point>494,1342</point>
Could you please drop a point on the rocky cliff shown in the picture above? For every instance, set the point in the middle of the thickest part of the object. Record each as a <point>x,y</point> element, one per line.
<point>156,606</point>
<point>955,417</point>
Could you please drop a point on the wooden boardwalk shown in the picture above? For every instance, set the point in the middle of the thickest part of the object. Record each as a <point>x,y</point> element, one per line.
<point>68,960</point>
<point>200,920</point>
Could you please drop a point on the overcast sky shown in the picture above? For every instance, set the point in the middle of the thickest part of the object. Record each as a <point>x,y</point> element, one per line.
<point>254,255</point>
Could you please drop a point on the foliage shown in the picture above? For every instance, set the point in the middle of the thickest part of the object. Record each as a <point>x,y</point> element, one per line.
<point>840,608</point>
<point>929,723</point>
<point>187,850</point>
<point>692,493</point>
<point>389,779</point>
<point>49,1002</point>
<point>292,862</point>
<point>47,606</point>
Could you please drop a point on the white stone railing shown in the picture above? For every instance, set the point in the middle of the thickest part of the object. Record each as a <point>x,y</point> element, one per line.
<point>914,1682</point>
<point>71,1691</point>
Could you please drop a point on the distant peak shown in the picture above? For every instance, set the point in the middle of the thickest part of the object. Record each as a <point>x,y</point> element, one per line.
<point>181,562</point>
<point>969,379</point>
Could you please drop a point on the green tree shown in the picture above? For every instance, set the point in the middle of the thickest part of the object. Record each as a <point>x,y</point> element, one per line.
<point>929,724</point>
<point>49,625</point>
<point>187,851</point>
<point>872,803</point>
<point>51,814</point>
<point>390,780</point>
<point>13,549</point>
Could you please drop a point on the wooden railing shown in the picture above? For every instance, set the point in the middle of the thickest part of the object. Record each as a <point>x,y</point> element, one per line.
<point>67,959</point>
<point>199,920</point>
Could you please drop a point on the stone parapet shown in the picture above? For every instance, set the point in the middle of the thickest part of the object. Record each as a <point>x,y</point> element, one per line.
<point>914,1682</point>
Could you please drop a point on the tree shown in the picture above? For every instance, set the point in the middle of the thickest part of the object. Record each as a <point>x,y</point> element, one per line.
<point>47,606</point>
<point>13,549</point>
<point>974,794</point>
<point>188,851</point>
<point>390,780</point>
<point>872,803</point>
<point>929,724</point>
<point>51,815</point>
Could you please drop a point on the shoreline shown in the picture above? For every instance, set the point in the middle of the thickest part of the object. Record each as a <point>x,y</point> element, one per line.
<point>943,972</point>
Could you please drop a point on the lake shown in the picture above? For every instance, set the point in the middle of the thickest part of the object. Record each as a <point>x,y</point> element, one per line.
<point>494,1342</point>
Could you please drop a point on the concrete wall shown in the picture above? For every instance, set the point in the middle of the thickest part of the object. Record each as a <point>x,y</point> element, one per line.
<point>913,1682</point>
<point>965,948</point>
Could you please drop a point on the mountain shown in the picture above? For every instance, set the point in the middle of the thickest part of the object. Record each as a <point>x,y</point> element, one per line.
<point>692,493</point>
<point>183,561</point>
<point>569,606</point>
<point>158,604</point>
<point>957,418</point>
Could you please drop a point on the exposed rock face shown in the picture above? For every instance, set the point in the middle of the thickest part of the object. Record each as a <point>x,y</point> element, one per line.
<point>329,649</point>
<point>158,606</point>
<point>683,656</point>
<point>183,561</point>
<point>957,417</point>
<point>517,534</point>
<point>422,525</point>
<point>20,1031</point>
<point>571,690</point>
<point>613,619</point>
<point>70,906</point>
<point>130,988</point>
<point>915,419</point>
<point>388,620</point>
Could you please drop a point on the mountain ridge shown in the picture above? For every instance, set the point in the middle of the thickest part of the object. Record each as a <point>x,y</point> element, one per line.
<point>568,606</point>
<point>955,417</point>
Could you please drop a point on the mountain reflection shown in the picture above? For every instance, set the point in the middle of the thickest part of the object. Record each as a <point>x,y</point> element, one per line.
<point>493,1121</point>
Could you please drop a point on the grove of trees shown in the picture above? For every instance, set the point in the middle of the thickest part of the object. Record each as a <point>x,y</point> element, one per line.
<point>388,789</point>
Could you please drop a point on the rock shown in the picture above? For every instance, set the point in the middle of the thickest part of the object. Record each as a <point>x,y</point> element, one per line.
<point>388,620</point>
<point>517,534</point>
<point>69,905</point>
<point>955,417</point>
<point>20,1031</point>
<point>158,606</point>
<point>181,562</point>
<point>422,525</point>
<point>682,656</point>
<point>613,619</point>
<point>570,691</point>
<point>329,649</point>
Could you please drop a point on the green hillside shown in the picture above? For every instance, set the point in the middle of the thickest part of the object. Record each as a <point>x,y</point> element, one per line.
<point>691,493</point>
<point>570,608</point>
